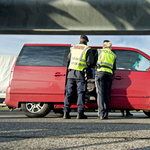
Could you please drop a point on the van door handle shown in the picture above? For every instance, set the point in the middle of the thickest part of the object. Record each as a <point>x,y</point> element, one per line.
<point>118,77</point>
<point>59,74</point>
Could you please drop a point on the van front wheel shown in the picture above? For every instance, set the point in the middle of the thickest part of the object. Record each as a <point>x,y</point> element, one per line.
<point>35,109</point>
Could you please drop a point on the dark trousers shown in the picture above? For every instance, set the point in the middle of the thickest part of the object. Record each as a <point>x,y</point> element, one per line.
<point>81,86</point>
<point>103,81</point>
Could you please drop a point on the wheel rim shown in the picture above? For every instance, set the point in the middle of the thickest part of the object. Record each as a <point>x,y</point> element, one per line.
<point>34,107</point>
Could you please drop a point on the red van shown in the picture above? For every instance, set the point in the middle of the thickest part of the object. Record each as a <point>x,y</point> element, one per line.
<point>38,78</point>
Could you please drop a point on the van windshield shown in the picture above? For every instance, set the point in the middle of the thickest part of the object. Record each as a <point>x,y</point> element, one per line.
<point>43,56</point>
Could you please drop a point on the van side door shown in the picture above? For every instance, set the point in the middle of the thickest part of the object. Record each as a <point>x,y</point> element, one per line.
<point>130,85</point>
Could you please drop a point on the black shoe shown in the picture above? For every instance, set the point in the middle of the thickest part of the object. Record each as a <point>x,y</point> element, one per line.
<point>81,116</point>
<point>128,115</point>
<point>106,117</point>
<point>100,117</point>
<point>66,115</point>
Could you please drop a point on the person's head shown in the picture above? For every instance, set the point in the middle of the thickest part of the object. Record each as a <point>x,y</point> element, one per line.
<point>84,38</point>
<point>107,43</point>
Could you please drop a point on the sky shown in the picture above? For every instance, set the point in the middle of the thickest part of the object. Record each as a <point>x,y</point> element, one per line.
<point>12,44</point>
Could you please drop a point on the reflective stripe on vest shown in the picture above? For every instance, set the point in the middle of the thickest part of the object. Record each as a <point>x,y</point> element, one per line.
<point>78,57</point>
<point>105,60</point>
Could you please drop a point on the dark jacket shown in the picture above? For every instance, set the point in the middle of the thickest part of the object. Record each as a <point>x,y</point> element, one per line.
<point>75,74</point>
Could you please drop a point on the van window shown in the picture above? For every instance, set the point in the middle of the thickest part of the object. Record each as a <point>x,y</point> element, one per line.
<point>131,60</point>
<point>43,56</point>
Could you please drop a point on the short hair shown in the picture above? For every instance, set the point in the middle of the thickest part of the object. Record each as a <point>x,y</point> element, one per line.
<point>84,37</point>
<point>107,43</point>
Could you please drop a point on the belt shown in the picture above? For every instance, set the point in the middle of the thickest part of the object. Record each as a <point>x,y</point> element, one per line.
<point>98,66</point>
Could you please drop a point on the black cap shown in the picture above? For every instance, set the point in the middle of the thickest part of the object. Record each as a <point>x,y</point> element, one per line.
<point>84,37</point>
<point>106,41</point>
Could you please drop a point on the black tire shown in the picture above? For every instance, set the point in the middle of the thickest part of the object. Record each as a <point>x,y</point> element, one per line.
<point>147,113</point>
<point>36,109</point>
<point>59,112</point>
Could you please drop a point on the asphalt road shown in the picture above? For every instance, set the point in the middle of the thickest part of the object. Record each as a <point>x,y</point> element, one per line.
<point>17,132</point>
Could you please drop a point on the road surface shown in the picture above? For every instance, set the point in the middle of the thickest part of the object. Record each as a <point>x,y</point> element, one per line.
<point>18,132</point>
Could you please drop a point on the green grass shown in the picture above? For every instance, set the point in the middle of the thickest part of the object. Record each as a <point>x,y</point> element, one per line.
<point>4,108</point>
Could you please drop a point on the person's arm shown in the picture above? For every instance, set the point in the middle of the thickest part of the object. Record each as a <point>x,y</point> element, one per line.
<point>68,59</point>
<point>114,66</point>
<point>89,58</point>
<point>95,58</point>
<point>89,62</point>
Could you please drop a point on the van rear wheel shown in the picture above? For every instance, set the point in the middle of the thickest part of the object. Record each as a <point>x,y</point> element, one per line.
<point>35,109</point>
<point>147,113</point>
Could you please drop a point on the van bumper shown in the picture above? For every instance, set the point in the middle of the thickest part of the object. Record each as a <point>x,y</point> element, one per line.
<point>8,101</point>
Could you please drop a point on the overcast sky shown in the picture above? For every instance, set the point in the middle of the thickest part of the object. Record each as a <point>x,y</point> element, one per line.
<point>12,44</point>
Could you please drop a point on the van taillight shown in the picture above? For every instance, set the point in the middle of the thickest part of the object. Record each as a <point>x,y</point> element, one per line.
<point>11,77</point>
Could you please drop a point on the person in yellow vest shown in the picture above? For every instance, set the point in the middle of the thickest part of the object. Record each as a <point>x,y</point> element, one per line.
<point>105,66</point>
<point>80,60</point>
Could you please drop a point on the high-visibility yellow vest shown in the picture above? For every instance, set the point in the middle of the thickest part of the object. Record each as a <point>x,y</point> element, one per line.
<point>105,60</point>
<point>78,57</point>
